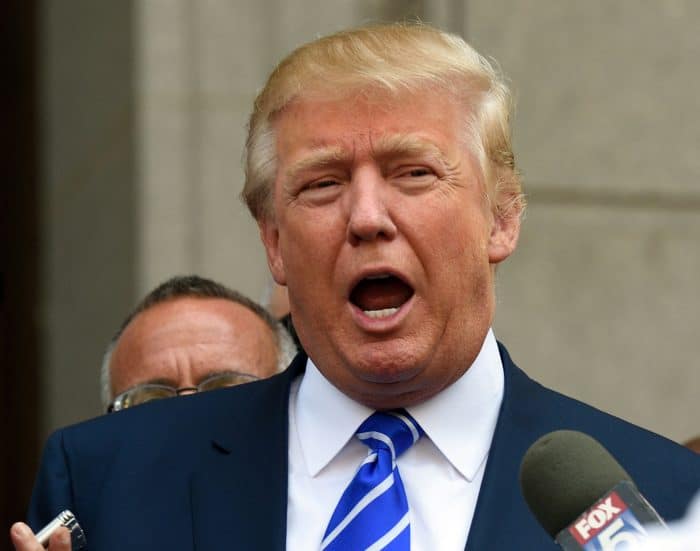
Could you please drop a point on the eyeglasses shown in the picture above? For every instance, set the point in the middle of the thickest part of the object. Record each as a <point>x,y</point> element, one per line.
<point>140,394</point>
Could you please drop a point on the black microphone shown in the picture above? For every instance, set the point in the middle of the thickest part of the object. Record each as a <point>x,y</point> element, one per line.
<point>582,496</point>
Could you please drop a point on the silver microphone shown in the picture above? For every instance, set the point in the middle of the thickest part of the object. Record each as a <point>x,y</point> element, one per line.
<point>67,519</point>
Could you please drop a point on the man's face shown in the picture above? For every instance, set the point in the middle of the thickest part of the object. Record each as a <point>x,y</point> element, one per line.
<point>384,237</point>
<point>183,341</point>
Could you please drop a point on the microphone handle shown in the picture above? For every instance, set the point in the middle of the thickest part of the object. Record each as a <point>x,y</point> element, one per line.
<point>618,519</point>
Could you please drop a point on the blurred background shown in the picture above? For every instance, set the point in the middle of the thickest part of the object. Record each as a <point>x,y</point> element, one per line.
<point>122,138</point>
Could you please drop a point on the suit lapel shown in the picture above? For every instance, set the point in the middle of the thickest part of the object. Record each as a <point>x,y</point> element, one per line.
<point>502,519</point>
<point>239,492</point>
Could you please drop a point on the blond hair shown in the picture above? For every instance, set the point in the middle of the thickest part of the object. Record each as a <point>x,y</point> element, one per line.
<point>396,57</point>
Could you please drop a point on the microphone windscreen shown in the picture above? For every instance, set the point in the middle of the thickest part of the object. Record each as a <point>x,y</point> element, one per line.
<point>563,474</point>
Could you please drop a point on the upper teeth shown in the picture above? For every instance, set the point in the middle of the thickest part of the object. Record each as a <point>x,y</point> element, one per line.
<point>384,313</point>
<point>379,276</point>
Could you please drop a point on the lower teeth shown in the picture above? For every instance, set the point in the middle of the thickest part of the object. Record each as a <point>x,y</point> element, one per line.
<point>385,313</point>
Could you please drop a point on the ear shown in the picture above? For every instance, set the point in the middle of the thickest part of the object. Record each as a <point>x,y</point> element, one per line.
<point>504,236</point>
<point>270,235</point>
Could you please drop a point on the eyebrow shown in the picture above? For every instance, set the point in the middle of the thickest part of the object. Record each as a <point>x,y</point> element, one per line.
<point>226,371</point>
<point>206,376</point>
<point>401,145</point>
<point>384,148</point>
<point>319,157</point>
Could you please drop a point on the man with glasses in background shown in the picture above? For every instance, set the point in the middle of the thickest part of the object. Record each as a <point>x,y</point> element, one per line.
<point>191,334</point>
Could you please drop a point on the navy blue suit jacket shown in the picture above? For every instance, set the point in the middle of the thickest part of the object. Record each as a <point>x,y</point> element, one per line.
<point>210,471</point>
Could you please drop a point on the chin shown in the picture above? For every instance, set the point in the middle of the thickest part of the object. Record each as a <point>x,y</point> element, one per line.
<point>386,364</point>
<point>388,374</point>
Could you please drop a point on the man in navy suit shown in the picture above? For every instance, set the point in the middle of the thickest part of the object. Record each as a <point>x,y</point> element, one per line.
<point>379,168</point>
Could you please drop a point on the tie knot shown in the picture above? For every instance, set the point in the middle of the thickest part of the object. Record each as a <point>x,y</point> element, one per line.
<point>395,431</point>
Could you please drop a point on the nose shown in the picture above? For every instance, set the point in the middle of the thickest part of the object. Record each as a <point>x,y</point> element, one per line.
<point>368,217</point>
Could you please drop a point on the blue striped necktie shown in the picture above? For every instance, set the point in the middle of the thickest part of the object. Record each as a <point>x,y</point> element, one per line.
<point>373,511</point>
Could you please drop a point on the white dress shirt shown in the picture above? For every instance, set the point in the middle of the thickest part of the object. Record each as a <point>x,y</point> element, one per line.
<point>441,473</point>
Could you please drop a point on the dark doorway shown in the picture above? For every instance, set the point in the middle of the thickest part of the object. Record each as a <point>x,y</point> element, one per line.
<point>19,260</point>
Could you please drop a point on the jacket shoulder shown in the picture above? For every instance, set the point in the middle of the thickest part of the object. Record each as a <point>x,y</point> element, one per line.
<point>655,462</point>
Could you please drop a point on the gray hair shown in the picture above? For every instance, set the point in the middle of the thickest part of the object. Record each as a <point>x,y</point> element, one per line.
<point>196,286</point>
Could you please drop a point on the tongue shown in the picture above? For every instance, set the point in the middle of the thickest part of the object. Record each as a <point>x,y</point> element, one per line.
<point>378,294</point>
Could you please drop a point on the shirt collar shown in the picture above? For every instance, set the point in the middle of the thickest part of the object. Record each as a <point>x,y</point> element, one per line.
<point>460,420</point>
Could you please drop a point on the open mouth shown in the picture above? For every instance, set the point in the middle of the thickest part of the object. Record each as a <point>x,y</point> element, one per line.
<point>380,296</point>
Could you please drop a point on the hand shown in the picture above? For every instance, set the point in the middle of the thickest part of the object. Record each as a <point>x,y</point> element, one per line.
<point>24,540</point>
